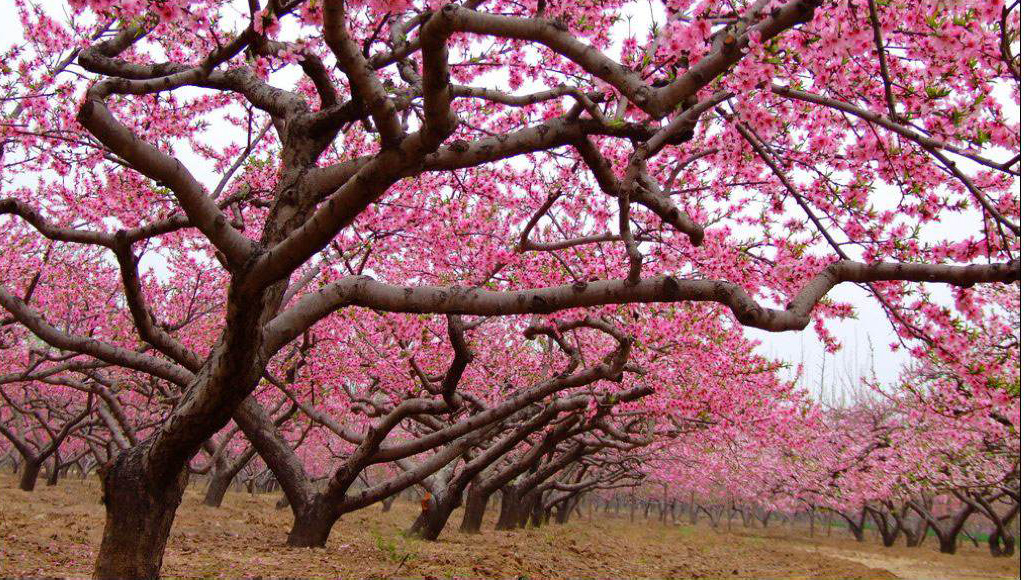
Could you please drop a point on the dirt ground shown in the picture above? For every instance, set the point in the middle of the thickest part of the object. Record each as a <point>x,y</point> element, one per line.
<point>53,532</point>
<point>923,563</point>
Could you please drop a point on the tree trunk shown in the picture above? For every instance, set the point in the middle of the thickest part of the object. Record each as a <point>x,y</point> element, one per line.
<point>508,519</point>
<point>564,509</point>
<point>889,539</point>
<point>418,524</point>
<point>915,535</point>
<point>431,521</point>
<point>1001,545</point>
<point>140,512</point>
<point>219,484</point>
<point>386,503</point>
<point>29,475</point>
<point>54,474</point>
<point>527,508</point>
<point>473,517</point>
<point>947,543</point>
<point>537,511</point>
<point>311,526</point>
<point>857,531</point>
<point>889,531</point>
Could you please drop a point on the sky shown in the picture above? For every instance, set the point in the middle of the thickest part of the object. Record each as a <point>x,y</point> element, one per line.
<point>830,376</point>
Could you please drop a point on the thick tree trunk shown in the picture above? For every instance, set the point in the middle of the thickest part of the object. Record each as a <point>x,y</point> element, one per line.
<point>531,509</point>
<point>537,513</point>
<point>527,508</point>
<point>948,533</point>
<point>473,517</point>
<point>140,512</point>
<point>947,543</point>
<point>508,519</point>
<point>857,531</point>
<point>1001,545</point>
<point>915,535</point>
<point>563,511</point>
<point>218,487</point>
<point>431,521</point>
<point>418,524</point>
<point>312,526</point>
<point>888,530</point>
<point>54,475</point>
<point>29,475</point>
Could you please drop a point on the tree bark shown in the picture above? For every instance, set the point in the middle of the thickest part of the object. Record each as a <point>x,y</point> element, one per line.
<point>54,474</point>
<point>140,512</point>
<point>889,539</point>
<point>949,532</point>
<point>431,521</point>
<point>1001,543</point>
<point>947,543</point>
<point>508,519</point>
<point>476,506</point>
<point>888,530</point>
<point>534,512</point>
<point>857,531</point>
<point>916,535</point>
<point>29,475</point>
<point>564,509</point>
<point>312,526</point>
<point>218,487</point>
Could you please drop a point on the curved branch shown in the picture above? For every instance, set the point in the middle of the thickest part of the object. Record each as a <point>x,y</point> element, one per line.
<point>90,346</point>
<point>11,206</point>
<point>368,293</point>
<point>161,167</point>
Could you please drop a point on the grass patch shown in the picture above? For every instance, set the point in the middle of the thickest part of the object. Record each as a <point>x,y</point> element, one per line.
<point>395,548</point>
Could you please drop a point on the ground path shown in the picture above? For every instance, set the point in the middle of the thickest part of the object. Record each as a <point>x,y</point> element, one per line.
<point>924,563</point>
<point>54,531</point>
<point>909,568</point>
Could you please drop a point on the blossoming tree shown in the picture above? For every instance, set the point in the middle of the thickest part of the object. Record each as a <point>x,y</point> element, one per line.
<point>228,180</point>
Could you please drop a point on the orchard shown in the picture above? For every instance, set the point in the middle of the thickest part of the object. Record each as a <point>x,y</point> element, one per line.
<point>502,258</point>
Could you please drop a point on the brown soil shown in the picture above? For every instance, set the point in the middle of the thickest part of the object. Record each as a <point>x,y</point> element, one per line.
<point>54,531</point>
<point>922,563</point>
